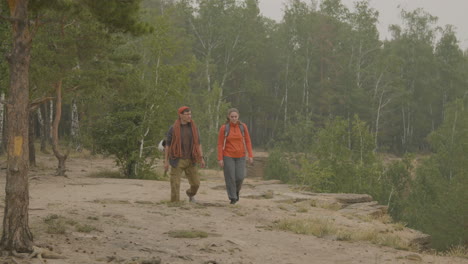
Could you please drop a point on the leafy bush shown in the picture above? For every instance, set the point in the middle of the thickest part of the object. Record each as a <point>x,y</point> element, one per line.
<point>437,202</point>
<point>298,135</point>
<point>344,159</point>
<point>278,167</point>
<point>122,133</point>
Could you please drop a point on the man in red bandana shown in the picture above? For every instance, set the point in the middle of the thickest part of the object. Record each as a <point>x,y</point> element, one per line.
<point>183,151</point>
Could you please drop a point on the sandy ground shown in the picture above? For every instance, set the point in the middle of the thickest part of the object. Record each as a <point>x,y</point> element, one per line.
<point>132,222</point>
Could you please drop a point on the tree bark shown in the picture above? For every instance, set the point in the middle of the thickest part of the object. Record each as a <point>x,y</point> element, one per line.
<point>58,113</point>
<point>16,233</point>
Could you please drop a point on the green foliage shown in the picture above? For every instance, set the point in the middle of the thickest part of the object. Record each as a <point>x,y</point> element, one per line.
<point>437,202</point>
<point>279,167</point>
<point>316,176</point>
<point>395,184</point>
<point>339,158</point>
<point>298,135</point>
<point>119,16</point>
<point>202,113</point>
<point>122,133</point>
<point>345,158</point>
<point>144,79</point>
<point>4,47</point>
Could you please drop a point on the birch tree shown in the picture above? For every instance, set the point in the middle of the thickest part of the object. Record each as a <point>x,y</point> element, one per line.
<point>222,34</point>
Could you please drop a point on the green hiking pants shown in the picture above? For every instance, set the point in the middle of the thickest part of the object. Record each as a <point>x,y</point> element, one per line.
<point>191,172</point>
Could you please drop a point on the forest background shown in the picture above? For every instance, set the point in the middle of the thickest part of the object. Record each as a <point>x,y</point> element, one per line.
<point>319,91</point>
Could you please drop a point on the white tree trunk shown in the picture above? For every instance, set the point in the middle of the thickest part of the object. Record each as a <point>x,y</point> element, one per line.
<point>51,117</point>
<point>305,92</point>
<point>41,121</point>
<point>75,126</point>
<point>286,91</point>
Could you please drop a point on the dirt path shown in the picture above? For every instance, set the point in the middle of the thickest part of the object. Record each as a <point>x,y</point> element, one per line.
<point>130,221</point>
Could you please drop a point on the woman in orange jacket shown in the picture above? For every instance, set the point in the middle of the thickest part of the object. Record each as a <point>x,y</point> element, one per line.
<point>234,147</point>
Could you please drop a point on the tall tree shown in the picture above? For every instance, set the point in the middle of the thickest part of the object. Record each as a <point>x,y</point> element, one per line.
<point>120,17</point>
<point>147,77</point>
<point>452,75</point>
<point>16,233</point>
<point>437,202</point>
<point>223,36</point>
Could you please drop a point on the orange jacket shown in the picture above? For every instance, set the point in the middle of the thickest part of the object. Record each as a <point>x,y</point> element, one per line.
<point>234,143</point>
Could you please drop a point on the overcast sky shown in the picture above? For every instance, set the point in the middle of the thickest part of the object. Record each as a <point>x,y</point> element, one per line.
<point>453,12</point>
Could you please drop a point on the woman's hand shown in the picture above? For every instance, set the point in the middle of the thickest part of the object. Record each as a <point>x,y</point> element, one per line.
<point>221,163</point>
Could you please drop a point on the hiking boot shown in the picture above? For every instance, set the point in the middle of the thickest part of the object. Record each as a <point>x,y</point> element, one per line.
<point>192,199</point>
<point>237,197</point>
<point>233,201</point>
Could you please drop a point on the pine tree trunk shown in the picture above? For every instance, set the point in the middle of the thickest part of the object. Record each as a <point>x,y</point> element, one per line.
<point>16,233</point>
<point>55,145</point>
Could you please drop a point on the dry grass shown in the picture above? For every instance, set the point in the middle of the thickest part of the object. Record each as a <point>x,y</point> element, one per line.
<point>85,228</point>
<point>379,238</point>
<point>144,202</point>
<point>83,154</point>
<point>187,234</point>
<point>110,201</point>
<point>268,195</point>
<point>399,226</point>
<point>107,174</point>
<point>323,227</point>
<point>329,206</point>
<point>316,227</point>
<point>302,209</point>
<point>56,224</point>
<point>457,251</point>
<point>239,212</point>
<point>180,204</point>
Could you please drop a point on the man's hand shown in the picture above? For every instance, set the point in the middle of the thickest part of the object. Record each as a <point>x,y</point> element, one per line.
<point>202,164</point>
<point>166,166</point>
<point>221,163</point>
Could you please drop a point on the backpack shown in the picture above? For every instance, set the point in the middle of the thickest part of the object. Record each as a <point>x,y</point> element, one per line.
<point>226,133</point>
<point>227,127</point>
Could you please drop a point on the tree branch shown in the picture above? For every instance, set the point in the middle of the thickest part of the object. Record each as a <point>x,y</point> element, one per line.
<point>9,19</point>
<point>36,103</point>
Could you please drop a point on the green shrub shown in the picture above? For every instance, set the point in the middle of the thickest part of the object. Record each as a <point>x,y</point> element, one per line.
<point>278,167</point>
